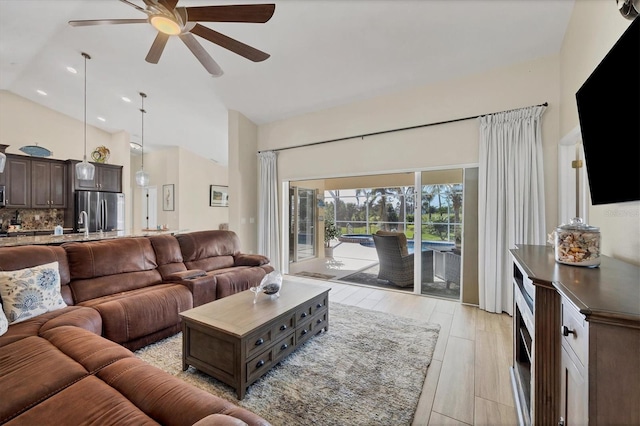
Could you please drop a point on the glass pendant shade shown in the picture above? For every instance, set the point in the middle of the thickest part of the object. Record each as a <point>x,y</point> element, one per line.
<point>3,161</point>
<point>85,170</point>
<point>142,178</point>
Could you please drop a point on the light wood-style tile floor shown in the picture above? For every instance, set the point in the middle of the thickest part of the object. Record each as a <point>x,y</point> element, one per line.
<point>468,380</point>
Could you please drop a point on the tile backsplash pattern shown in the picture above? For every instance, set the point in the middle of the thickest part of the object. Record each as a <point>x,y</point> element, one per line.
<point>47,218</point>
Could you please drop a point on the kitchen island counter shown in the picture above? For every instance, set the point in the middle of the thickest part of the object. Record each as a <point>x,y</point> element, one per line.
<point>80,237</point>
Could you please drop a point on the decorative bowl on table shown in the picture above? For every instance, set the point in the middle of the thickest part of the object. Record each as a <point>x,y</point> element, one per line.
<point>270,285</point>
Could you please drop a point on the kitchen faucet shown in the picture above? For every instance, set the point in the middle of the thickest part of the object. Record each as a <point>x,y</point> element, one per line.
<point>84,221</point>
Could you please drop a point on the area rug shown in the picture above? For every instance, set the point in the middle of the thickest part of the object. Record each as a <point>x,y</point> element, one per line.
<point>368,369</point>
<point>369,277</point>
<point>315,275</point>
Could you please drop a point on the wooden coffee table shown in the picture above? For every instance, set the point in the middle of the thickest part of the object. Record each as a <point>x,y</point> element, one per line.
<point>237,341</point>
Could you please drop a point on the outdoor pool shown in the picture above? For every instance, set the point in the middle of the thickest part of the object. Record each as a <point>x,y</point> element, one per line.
<point>367,241</point>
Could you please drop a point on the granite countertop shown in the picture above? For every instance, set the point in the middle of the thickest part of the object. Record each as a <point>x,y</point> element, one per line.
<point>80,237</point>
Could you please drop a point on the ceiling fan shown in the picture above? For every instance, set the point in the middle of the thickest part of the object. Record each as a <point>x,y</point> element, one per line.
<point>170,20</point>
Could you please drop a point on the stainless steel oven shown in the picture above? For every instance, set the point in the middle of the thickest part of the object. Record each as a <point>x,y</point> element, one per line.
<point>3,197</point>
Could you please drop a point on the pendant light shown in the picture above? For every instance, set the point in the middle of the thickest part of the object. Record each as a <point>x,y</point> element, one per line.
<point>142,177</point>
<point>85,170</point>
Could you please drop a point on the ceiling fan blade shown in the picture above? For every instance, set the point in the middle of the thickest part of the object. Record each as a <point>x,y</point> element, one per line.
<point>89,22</point>
<point>156,48</point>
<point>235,46</point>
<point>169,4</point>
<point>205,59</point>
<point>257,13</point>
<point>133,5</point>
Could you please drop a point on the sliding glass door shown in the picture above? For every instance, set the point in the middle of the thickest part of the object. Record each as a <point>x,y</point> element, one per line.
<point>302,217</point>
<point>441,212</point>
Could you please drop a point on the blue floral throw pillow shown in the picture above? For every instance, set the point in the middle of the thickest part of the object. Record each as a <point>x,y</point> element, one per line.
<point>4,324</point>
<point>30,292</point>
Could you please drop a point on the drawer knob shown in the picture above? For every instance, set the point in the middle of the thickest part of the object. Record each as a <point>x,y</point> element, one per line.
<point>303,315</point>
<point>319,305</point>
<point>284,346</point>
<point>259,341</point>
<point>566,331</point>
<point>304,332</point>
<point>260,363</point>
<point>319,321</point>
<point>283,327</point>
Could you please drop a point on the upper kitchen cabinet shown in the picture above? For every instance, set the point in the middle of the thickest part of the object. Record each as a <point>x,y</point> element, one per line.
<point>48,184</point>
<point>17,173</point>
<point>108,178</point>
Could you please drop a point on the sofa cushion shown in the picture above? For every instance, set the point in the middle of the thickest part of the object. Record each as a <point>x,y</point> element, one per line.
<point>93,264</point>
<point>130,315</point>
<point>78,316</point>
<point>89,401</point>
<point>29,292</point>
<point>162,395</point>
<point>168,255</point>
<point>234,280</point>
<point>203,244</point>
<point>32,369</point>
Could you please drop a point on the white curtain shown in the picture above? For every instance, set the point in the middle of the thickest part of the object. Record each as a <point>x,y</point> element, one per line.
<point>510,199</point>
<point>268,223</point>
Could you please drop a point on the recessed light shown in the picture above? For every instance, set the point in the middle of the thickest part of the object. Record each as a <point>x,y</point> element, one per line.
<point>102,119</point>
<point>41,92</point>
<point>72,70</point>
<point>135,146</point>
<point>124,98</point>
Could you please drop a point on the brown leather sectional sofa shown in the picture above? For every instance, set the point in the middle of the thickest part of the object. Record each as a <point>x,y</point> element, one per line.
<point>75,366</point>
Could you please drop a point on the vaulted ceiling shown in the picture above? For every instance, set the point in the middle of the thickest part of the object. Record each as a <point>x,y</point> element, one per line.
<point>323,53</point>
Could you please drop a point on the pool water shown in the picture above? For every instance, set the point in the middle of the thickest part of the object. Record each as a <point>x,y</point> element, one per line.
<point>367,241</point>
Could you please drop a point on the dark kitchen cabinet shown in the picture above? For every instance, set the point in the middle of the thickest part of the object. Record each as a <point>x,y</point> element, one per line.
<point>18,181</point>
<point>107,178</point>
<point>48,184</point>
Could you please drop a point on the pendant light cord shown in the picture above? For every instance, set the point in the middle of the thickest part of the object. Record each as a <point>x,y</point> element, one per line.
<point>85,104</point>
<point>142,95</point>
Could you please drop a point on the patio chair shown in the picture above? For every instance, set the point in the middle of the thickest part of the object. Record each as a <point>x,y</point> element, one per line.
<point>396,263</point>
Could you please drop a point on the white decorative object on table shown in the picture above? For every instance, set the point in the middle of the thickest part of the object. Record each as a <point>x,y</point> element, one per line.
<point>270,285</point>
<point>577,244</point>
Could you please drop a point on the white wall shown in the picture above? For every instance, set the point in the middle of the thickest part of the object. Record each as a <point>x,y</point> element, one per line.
<point>243,181</point>
<point>594,28</point>
<point>191,176</point>
<point>453,144</point>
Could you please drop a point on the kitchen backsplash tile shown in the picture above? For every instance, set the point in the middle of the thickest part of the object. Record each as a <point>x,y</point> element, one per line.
<point>47,218</point>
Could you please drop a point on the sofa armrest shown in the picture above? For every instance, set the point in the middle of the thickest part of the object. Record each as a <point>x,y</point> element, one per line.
<point>185,275</point>
<point>250,260</point>
<point>202,287</point>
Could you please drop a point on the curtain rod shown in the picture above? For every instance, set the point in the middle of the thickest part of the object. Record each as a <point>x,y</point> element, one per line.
<point>392,130</point>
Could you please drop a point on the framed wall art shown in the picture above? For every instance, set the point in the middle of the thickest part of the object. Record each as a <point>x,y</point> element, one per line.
<point>168,202</point>
<point>218,196</point>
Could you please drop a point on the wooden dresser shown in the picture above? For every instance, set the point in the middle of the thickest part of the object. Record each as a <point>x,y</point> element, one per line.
<point>576,340</point>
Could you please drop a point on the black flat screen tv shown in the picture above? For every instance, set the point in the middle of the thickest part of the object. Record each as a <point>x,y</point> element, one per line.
<point>609,112</point>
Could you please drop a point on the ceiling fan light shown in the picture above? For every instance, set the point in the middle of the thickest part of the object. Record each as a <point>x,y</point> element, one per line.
<point>165,25</point>
<point>85,170</point>
<point>142,178</point>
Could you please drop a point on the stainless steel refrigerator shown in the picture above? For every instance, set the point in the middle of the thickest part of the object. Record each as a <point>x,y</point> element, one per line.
<point>105,211</point>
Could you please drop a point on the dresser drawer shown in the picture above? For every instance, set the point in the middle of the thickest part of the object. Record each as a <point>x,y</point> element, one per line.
<point>311,308</point>
<point>575,332</point>
<point>258,341</point>
<point>284,347</point>
<point>259,365</point>
<point>283,327</point>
